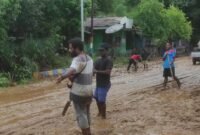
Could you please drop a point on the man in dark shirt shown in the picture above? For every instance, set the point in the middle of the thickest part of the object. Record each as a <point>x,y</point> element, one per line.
<point>102,69</point>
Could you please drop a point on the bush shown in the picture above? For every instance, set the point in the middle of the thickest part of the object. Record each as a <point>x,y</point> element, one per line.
<point>121,61</point>
<point>4,81</point>
<point>21,73</point>
<point>21,59</point>
<point>30,35</point>
<point>41,51</point>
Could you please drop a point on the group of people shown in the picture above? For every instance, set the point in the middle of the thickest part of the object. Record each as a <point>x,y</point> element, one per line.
<point>83,69</point>
<point>81,73</point>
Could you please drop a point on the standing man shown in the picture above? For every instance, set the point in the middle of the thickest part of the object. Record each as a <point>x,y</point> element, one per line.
<point>102,68</point>
<point>168,65</point>
<point>80,73</point>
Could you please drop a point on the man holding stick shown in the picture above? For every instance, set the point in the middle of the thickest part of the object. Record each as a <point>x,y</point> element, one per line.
<point>168,65</point>
<point>80,74</point>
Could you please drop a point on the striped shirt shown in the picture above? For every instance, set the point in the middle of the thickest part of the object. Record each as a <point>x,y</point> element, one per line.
<point>82,85</point>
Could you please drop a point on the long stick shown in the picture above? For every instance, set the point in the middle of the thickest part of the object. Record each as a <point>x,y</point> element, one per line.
<point>170,67</point>
<point>91,30</point>
<point>66,108</point>
<point>67,105</point>
<point>172,73</point>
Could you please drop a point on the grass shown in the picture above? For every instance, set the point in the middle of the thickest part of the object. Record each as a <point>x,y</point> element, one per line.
<point>121,61</point>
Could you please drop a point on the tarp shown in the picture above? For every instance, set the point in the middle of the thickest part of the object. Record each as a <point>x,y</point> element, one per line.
<point>114,28</point>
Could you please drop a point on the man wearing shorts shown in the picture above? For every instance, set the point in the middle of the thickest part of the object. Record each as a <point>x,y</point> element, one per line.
<point>168,65</point>
<point>102,69</point>
<point>81,90</point>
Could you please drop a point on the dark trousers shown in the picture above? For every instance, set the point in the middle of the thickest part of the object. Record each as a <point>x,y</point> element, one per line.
<point>170,73</point>
<point>131,61</point>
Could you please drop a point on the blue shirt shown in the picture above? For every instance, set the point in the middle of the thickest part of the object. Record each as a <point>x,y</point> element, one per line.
<point>168,58</point>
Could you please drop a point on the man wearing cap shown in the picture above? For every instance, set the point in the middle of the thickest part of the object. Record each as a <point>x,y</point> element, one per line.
<point>102,68</point>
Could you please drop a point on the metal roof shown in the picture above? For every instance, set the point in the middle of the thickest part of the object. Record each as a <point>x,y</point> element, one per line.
<point>103,22</point>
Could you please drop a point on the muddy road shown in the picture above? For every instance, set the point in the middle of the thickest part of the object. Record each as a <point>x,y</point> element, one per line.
<point>137,105</point>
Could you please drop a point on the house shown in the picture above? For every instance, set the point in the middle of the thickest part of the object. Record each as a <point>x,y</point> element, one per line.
<point>117,31</point>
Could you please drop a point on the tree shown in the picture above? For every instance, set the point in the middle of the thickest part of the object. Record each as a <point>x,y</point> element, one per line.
<point>131,3</point>
<point>178,3</point>
<point>31,32</point>
<point>9,10</point>
<point>103,7</point>
<point>156,22</point>
<point>150,16</point>
<point>179,27</point>
<point>120,8</point>
<point>41,18</point>
<point>192,10</point>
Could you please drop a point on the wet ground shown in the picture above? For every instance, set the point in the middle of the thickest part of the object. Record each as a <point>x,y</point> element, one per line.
<point>137,105</point>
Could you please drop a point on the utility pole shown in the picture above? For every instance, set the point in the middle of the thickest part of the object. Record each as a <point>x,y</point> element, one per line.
<point>91,30</point>
<point>82,21</point>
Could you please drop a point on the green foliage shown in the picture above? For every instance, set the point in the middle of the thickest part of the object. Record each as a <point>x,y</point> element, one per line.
<point>9,9</point>
<point>151,17</point>
<point>62,62</point>
<point>104,6</point>
<point>41,18</point>
<point>113,7</point>
<point>131,3</point>
<point>31,33</point>
<point>7,55</point>
<point>179,3</point>
<point>41,51</point>
<point>156,22</point>
<point>179,27</point>
<point>120,7</point>
<point>21,72</point>
<point>4,81</point>
<point>192,10</point>
<point>121,61</point>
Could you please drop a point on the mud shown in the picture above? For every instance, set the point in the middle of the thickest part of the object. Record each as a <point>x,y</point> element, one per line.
<point>137,105</point>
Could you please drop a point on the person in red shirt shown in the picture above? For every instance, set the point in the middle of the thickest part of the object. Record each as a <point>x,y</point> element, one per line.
<point>134,59</point>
